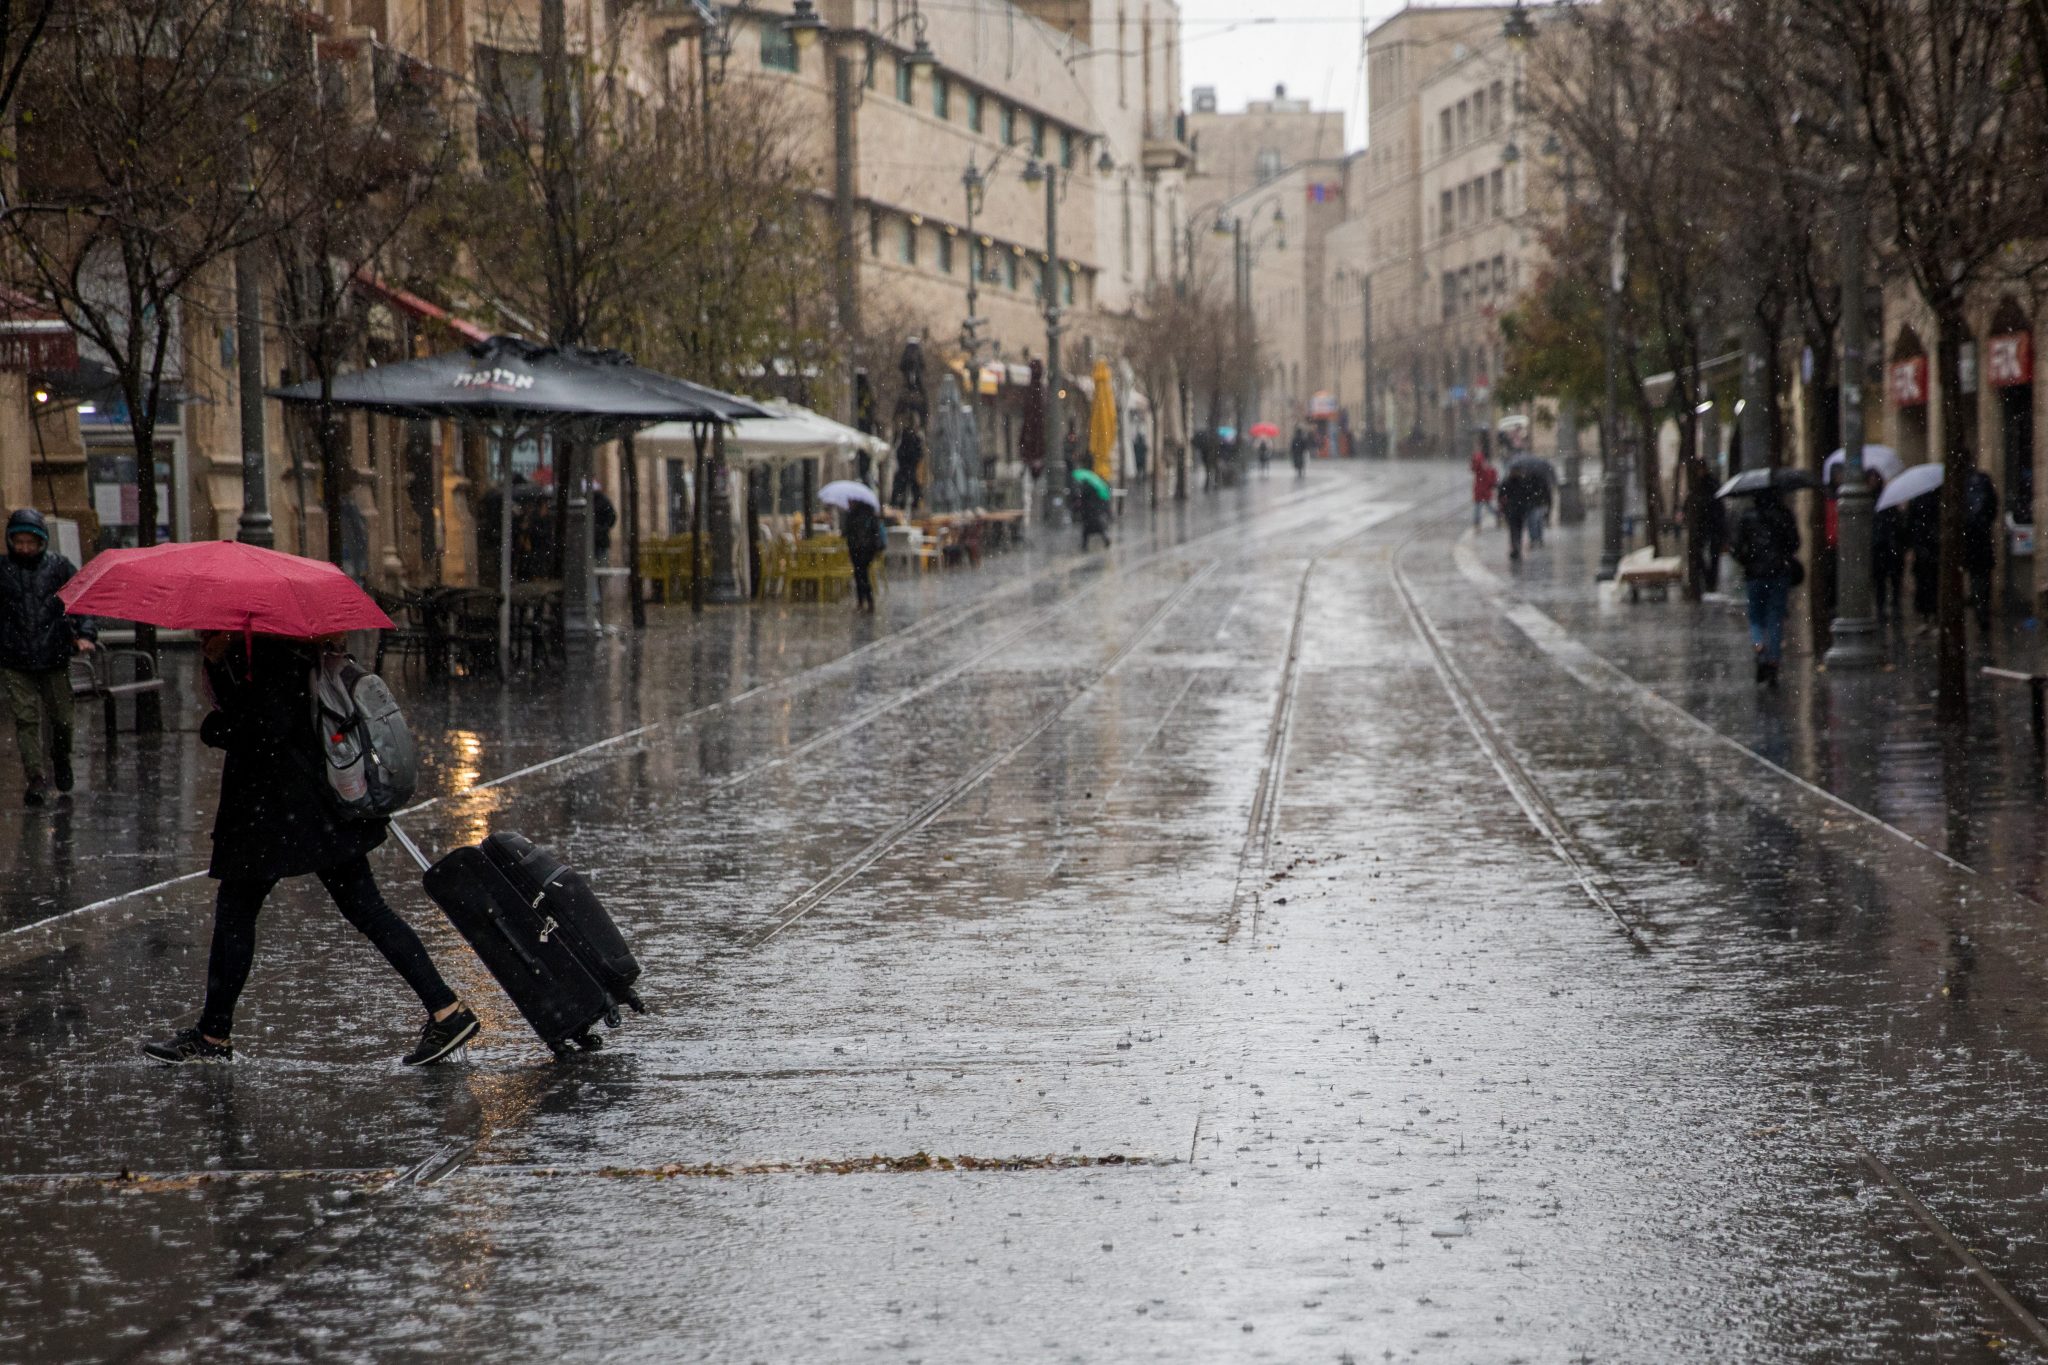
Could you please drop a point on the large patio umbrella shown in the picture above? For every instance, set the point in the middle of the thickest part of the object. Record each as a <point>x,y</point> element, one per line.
<point>509,388</point>
<point>1102,423</point>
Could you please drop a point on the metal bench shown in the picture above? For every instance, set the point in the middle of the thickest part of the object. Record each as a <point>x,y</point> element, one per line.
<point>93,675</point>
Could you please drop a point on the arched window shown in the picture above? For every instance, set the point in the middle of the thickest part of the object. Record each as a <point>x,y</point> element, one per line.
<point>1268,165</point>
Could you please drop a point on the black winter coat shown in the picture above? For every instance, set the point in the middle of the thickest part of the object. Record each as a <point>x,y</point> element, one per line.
<point>1766,542</point>
<point>865,536</point>
<point>275,818</point>
<point>35,634</point>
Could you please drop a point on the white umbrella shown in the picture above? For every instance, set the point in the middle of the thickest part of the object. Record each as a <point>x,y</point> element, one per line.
<point>1910,483</point>
<point>1883,459</point>
<point>845,492</point>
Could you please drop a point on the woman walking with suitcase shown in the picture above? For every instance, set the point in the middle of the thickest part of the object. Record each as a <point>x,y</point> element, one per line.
<point>276,820</point>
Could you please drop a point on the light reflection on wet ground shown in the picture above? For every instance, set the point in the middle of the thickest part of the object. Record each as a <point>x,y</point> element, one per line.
<point>1399,1088</point>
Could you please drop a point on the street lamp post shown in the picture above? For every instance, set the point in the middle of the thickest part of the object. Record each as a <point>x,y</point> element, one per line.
<point>1610,433</point>
<point>1365,360</point>
<point>1055,431</point>
<point>1855,624</point>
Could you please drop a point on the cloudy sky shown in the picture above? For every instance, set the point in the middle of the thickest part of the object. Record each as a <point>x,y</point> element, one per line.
<point>1311,46</point>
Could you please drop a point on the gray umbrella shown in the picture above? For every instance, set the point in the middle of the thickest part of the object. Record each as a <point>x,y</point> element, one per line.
<point>509,388</point>
<point>1752,481</point>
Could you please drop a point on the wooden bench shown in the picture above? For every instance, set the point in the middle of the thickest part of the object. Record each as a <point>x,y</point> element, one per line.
<point>92,675</point>
<point>1643,571</point>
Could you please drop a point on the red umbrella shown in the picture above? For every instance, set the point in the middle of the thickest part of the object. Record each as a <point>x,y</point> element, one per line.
<point>1265,431</point>
<point>222,585</point>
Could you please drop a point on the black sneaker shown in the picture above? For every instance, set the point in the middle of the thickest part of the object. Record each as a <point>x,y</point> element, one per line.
<point>187,1045</point>
<point>64,777</point>
<point>442,1036</point>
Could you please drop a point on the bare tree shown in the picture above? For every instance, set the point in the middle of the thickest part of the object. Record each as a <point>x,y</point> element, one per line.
<point>368,144</point>
<point>136,178</point>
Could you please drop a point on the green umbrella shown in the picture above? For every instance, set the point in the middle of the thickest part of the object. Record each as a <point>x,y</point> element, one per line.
<point>1089,479</point>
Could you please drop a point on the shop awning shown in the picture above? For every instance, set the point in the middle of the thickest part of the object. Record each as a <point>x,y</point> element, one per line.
<point>34,339</point>
<point>412,305</point>
<point>790,432</point>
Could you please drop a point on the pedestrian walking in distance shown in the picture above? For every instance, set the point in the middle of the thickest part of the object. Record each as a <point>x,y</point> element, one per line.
<point>1887,556</point>
<point>1766,545</point>
<point>277,819</point>
<point>1483,482</point>
<point>865,538</point>
<point>1980,541</point>
<point>1522,492</point>
<point>37,641</point>
<point>1923,538</point>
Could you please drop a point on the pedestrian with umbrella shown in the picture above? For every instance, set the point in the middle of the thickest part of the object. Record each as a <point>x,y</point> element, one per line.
<point>37,641</point>
<point>1523,492</point>
<point>1917,489</point>
<point>1766,544</point>
<point>269,623</point>
<point>1091,506</point>
<point>1980,541</point>
<point>861,524</point>
<point>1887,553</point>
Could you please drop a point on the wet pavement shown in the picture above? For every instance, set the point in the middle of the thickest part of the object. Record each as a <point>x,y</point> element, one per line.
<point>1289,936</point>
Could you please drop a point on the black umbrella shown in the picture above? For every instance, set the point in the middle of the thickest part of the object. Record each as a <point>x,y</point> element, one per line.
<point>510,387</point>
<point>1751,481</point>
<point>1532,466</point>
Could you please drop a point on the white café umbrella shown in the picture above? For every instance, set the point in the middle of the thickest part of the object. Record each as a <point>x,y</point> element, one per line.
<point>1912,482</point>
<point>1883,459</point>
<point>843,493</point>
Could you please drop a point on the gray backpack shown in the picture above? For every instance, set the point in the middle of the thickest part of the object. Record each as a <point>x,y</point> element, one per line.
<point>372,763</point>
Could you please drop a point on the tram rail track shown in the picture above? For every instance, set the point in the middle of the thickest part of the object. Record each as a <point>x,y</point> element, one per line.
<point>1587,874</point>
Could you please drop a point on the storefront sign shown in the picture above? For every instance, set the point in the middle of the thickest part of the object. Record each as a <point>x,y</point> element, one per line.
<point>2010,360</point>
<point>1908,380</point>
<point>37,347</point>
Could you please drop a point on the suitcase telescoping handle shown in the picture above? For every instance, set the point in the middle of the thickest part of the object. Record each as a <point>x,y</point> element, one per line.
<point>410,846</point>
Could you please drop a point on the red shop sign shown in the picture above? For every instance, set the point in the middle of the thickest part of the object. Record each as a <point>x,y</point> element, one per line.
<point>1909,382</point>
<point>2010,360</point>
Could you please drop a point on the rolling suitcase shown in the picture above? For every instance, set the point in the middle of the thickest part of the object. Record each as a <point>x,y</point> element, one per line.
<point>541,931</point>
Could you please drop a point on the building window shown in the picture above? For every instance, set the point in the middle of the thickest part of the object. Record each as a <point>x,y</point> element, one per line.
<point>1067,149</point>
<point>1127,229</point>
<point>974,111</point>
<point>1443,132</point>
<point>1497,183</point>
<point>1465,289</point>
<point>1464,121</point>
<point>1499,103</point>
<point>909,243</point>
<point>1010,270</point>
<point>1038,135</point>
<point>1464,203</point>
<point>1008,123</point>
<point>977,269</point>
<point>1447,220</point>
<point>1478,110</point>
<point>778,49</point>
<point>946,252</point>
<point>1500,275</point>
<point>874,232</point>
<point>942,97</point>
<point>1450,295</point>
<point>903,80</point>
<point>1067,286</point>
<point>1268,165</point>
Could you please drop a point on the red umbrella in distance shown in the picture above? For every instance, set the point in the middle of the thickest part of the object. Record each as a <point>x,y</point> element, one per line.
<point>1265,431</point>
<point>222,585</point>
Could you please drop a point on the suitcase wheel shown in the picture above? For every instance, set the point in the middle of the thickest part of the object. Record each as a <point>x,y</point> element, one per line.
<point>589,1042</point>
<point>611,1018</point>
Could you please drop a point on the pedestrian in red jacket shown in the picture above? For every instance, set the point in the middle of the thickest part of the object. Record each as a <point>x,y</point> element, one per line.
<point>1484,480</point>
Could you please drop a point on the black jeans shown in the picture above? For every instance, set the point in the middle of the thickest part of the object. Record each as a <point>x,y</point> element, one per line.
<point>863,590</point>
<point>355,893</point>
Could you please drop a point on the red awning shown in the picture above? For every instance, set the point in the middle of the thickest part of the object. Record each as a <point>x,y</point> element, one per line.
<point>413,305</point>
